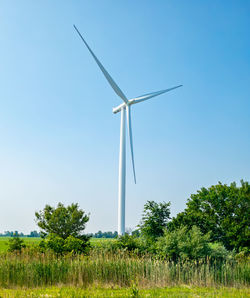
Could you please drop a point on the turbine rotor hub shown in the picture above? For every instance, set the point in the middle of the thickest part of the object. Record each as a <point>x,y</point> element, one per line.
<point>122,106</point>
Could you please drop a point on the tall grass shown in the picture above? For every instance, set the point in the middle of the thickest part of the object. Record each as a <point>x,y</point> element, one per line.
<point>33,269</point>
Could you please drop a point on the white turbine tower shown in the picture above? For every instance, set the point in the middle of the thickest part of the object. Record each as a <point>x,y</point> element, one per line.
<point>123,108</point>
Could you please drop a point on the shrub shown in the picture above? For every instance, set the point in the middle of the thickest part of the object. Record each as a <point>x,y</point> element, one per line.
<point>129,242</point>
<point>75,245</point>
<point>217,251</point>
<point>55,243</point>
<point>16,244</point>
<point>183,244</point>
<point>243,255</point>
<point>62,246</point>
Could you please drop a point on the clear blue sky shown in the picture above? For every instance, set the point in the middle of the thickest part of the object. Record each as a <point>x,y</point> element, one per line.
<point>59,138</point>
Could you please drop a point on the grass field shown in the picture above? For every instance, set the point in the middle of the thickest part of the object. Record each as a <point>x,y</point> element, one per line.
<point>102,268</point>
<point>27,241</point>
<point>35,240</point>
<point>127,292</point>
<point>105,272</point>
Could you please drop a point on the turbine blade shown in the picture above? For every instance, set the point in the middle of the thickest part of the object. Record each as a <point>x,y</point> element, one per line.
<point>130,139</point>
<point>153,94</point>
<point>112,83</point>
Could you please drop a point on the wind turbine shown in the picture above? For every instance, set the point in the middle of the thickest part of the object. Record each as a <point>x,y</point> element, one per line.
<point>124,108</point>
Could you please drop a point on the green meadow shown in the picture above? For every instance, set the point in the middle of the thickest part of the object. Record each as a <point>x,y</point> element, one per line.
<point>27,240</point>
<point>110,272</point>
<point>35,240</point>
<point>127,292</point>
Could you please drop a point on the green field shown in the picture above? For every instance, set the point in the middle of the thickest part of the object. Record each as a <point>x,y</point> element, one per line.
<point>106,272</point>
<point>27,240</point>
<point>128,292</point>
<point>33,240</point>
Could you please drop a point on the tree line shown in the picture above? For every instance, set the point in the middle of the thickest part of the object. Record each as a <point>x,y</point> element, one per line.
<point>100,234</point>
<point>214,223</point>
<point>19,234</point>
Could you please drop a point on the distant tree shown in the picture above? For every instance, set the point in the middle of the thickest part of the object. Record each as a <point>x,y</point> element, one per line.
<point>34,234</point>
<point>63,228</point>
<point>13,234</point>
<point>154,219</point>
<point>101,234</point>
<point>136,233</point>
<point>222,210</point>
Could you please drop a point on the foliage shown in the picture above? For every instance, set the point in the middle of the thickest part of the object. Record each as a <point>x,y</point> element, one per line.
<point>128,242</point>
<point>183,244</point>
<point>222,210</point>
<point>154,219</point>
<point>56,243</point>
<point>60,246</point>
<point>76,245</point>
<point>217,251</point>
<point>62,221</point>
<point>63,227</point>
<point>243,255</point>
<point>15,244</point>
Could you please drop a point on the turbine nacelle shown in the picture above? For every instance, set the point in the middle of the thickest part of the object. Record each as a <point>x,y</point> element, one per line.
<point>123,106</point>
<point>141,98</point>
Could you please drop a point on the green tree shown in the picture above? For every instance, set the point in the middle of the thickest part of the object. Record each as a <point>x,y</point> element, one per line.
<point>34,234</point>
<point>62,221</point>
<point>222,210</point>
<point>62,227</point>
<point>183,243</point>
<point>154,219</point>
<point>16,244</point>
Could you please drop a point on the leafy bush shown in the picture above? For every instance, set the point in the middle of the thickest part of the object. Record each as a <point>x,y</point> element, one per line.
<point>183,244</point>
<point>55,243</point>
<point>243,255</point>
<point>75,245</point>
<point>15,244</point>
<point>217,251</point>
<point>61,246</point>
<point>128,242</point>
